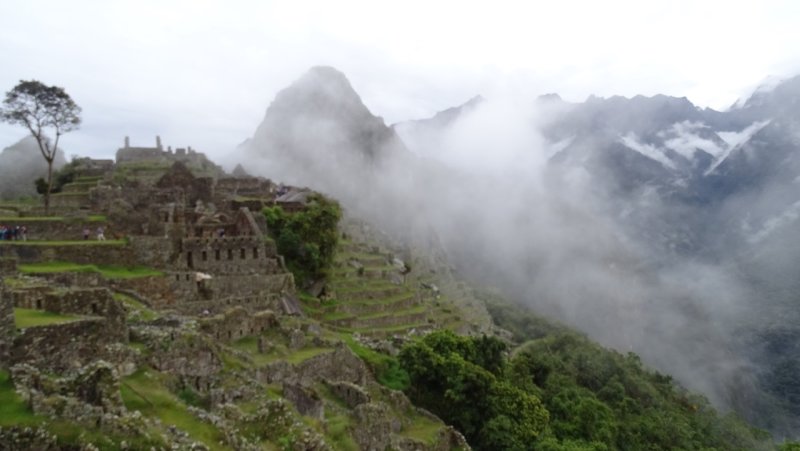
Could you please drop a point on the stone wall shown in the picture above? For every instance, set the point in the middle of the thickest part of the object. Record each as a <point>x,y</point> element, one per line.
<point>254,303</point>
<point>83,301</point>
<point>229,255</point>
<point>67,347</point>
<point>99,254</point>
<point>8,266</point>
<point>341,365</point>
<point>245,186</point>
<point>158,290</point>
<point>237,323</point>
<point>152,251</point>
<point>191,357</point>
<point>246,285</point>
<point>7,326</point>
<point>351,394</point>
<point>28,297</point>
<point>70,200</point>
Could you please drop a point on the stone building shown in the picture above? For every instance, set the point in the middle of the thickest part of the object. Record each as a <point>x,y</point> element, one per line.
<point>128,154</point>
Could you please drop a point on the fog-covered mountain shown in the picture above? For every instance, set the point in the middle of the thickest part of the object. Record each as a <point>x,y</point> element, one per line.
<point>648,223</point>
<point>20,164</point>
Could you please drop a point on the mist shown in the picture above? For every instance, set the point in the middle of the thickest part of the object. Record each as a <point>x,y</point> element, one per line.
<point>559,238</point>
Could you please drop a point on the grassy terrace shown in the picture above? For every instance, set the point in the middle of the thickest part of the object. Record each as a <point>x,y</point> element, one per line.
<point>29,318</point>
<point>110,272</point>
<point>90,218</point>
<point>137,310</point>
<point>64,243</point>
<point>250,346</point>
<point>145,392</point>
<point>13,410</point>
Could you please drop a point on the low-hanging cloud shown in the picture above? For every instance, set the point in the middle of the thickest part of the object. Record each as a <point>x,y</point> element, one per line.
<point>546,235</point>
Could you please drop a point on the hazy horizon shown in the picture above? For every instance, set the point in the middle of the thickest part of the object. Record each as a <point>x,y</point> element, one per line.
<point>202,75</point>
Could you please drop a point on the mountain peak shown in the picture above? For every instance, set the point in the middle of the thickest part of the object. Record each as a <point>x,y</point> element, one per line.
<point>320,118</point>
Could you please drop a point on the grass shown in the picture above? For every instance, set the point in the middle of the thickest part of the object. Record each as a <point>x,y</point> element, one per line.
<point>13,410</point>
<point>338,432</point>
<point>250,346</point>
<point>386,368</point>
<point>64,243</point>
<point>423,429</point>
<point>138,310</point>
<point>24,318</point>
<point>108,271</point>
<point>144,391</point>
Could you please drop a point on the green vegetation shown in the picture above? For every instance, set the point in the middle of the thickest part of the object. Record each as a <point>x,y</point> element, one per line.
<point>29,318</point>
<point>307,239</point>
<point>461,380</point>
<point>560,391</point>
<point>60,178</point>
<point>108,271</point>
<point>145,392</point>
<point>13,410</point>
<point>386,368</point>
<point>136,310</point>
<point>249,345</point>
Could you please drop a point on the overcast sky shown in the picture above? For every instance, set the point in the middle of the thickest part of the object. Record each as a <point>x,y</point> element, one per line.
<point>202,73</point>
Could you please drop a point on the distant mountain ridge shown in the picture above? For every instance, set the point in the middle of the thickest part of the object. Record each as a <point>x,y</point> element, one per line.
<point>666,185</point>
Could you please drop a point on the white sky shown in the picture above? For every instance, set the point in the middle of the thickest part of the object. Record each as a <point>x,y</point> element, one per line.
<point>202,73</point>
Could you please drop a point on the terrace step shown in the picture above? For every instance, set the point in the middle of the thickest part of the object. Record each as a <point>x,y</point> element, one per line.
<point>366,308</point>
<point>385,320</point>
<point>369,294</point>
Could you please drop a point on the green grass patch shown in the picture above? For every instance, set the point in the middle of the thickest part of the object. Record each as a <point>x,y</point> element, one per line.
<point>13,410</point>
<point>387,369</point>
<point>423,429</point>
<point>108,271</point>
<point>144,391</point>
<point>136,309</point>
<point>337,432</point>
<point>64,243</point>
<point>249,345</point>
<point>24,318</point>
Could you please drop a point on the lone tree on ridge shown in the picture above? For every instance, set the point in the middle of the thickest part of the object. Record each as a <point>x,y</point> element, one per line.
<point>40,107</point>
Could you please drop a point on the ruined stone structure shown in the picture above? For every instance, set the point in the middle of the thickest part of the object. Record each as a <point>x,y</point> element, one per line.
<point>65,348</point>
<point>127,154</point>
<point>237,323</point>
<point>6,324</point>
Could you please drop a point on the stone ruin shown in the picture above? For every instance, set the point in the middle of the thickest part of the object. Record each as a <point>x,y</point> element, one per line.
<point>7,326</point>
<point>221,279</point>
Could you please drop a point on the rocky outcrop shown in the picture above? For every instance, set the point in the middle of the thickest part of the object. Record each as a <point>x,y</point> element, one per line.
<point>305,399</point>
<point>341,365</point>
<point>351,394</point>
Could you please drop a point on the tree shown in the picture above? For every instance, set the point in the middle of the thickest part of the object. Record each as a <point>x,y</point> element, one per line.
<point>41,108</point>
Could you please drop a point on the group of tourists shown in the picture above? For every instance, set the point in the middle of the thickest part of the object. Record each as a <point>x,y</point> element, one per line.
<point>9,233</point>
<point>101,236</point>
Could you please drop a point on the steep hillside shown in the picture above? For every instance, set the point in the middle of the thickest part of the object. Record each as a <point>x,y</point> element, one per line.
<point>633,220</point>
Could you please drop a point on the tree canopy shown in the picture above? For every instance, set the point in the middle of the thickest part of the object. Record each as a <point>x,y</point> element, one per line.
<point>44,111</point>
